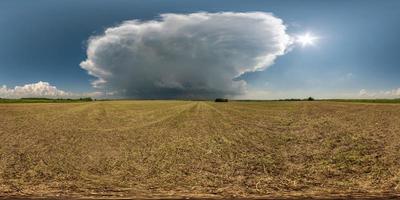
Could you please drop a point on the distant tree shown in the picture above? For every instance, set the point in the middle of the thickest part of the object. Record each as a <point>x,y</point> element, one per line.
<point>292,99</point>
<point>221,100</point>
<point>310,99</point>
<point>86,99</point>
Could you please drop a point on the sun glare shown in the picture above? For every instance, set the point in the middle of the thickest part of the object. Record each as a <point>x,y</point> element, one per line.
<point>306,39</point>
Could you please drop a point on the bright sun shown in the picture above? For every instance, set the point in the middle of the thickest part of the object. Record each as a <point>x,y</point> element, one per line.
<point>306,39</point>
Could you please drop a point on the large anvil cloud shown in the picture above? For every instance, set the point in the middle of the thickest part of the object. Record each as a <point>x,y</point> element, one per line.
<point>194,55</point>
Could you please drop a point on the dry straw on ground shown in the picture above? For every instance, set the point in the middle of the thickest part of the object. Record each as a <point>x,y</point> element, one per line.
<point>199,148</point>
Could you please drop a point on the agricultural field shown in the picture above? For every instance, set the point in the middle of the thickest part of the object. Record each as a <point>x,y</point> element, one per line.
<point>199,149</point>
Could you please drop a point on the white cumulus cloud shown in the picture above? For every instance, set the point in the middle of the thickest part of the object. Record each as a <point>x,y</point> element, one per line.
<point>194,55</point>
<point>40,89</point>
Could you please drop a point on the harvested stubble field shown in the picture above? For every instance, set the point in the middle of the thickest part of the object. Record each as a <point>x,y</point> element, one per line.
<point>199,149</point>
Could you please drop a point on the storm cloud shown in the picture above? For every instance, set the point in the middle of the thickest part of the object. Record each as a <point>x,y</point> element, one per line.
<point>196,55</point>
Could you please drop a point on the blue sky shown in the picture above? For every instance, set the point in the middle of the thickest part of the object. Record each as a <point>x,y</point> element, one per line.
<point>45,40</point>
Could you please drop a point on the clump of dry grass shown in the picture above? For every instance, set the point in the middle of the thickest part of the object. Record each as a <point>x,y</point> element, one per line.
<point>199,148</point>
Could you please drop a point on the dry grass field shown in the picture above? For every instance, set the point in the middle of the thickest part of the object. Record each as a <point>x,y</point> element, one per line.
<point>199,149</point>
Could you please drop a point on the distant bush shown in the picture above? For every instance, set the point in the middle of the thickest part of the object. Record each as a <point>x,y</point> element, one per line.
<point>36,98</point>
<point>86,99</point>
<point>289,99</point>
<point>366,100</point>
<point>292,99</point>
<point>45,100</point>
<point>221,100</point>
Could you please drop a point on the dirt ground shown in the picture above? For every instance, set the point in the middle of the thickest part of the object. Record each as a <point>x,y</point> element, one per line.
<point>189,149</point>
